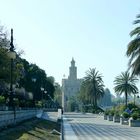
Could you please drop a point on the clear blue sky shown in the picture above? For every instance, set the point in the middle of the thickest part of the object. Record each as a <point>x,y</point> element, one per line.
<point>51,32</point>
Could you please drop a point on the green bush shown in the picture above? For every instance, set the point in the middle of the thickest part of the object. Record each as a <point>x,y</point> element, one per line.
<point>39,104</point>
<point>22,103</point>
<point>117,113</point>
<point>136,110</point>
<point>131,106</point>
<point>16,101</point>
<point>2,100</point>
<point>125,115</point>
<point>106,112</point>
<point>120,108</point>
<point>112,112</point>
<point>135,113</point>
<point>135,116</point>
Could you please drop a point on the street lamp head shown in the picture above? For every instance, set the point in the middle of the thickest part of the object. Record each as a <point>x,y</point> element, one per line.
<point>42,89</point>
<point>11,43</point>
<point>45,91</point>
<point>12,54</point>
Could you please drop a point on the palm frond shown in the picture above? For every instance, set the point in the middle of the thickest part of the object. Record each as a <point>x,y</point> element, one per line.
<point>133,46</point>
<point>138,16</point>
<point>94,84</point>
<point>136,21</point>
<point>125,83</point>
<point>136,31</point>
<point>133,49</point>
<point>136,66</point>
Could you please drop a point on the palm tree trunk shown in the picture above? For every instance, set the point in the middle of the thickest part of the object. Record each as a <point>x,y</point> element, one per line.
<point>95,101</point>
<point>126,98</point>
<point>134,98</point>
<point>95,94</point>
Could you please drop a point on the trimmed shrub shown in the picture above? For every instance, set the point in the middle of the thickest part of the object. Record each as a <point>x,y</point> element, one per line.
<point>136,110</point>
<point>106,112</point>
<point>125,115</point>
<point>117,113</point>
<point>131,106</point>
<point>135,116</point>
<point>112,112</point>
<point>120,108</point>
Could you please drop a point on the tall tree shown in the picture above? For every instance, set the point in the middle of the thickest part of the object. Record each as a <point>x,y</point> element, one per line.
<point>31,72</point>
<point>4,66</point>
<point>133,49</point>
<point>58,94</point>
<point>82,96</point>
<point>126,84</point>
<point>94,87</point>
<point>5,63</point>
<point>23,73</point>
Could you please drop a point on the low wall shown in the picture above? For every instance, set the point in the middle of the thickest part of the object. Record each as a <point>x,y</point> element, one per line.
<point>11,117</point>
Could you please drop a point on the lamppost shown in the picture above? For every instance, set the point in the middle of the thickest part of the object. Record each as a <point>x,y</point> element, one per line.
<point>34,80</point>
<point>45,92</point>
<point>54,105</point>
<point>12,56</point>
<point>42,90</point>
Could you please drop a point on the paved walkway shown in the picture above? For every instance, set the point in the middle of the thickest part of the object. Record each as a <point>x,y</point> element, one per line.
<point>93,127</point>
<point>68,131</point>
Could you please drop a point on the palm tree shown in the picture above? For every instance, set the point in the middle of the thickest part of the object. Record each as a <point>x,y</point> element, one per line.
<point>94,87</point>
<point>133,49</point>
<point>126,84</point>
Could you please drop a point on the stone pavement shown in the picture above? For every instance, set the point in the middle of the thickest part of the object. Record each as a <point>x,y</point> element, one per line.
<point>93,127</point>
<point>68,131</point>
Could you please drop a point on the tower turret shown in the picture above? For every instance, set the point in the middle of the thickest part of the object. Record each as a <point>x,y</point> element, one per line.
<point>72,70</point>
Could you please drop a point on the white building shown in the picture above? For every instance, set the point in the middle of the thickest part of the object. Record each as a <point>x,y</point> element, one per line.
<point>70,86</point>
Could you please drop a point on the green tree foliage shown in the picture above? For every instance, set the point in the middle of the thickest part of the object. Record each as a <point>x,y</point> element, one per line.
<point>4,59</point>
<point>32,71</point>
<point>72,104</point>
<point>58,94</point>
<point>4,65</point>
<point>50,88</point>
<point>4,41</point>
<point>82,96</point>
<point>126,84</point>
<point>23,75</point>
<point>2,100</point>
<point>51,79</point>
<point>107,98</point>
<point>92,88</point>
<point>133,49</point>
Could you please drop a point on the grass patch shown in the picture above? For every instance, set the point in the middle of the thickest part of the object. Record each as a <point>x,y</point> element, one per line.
<point>34,129</point>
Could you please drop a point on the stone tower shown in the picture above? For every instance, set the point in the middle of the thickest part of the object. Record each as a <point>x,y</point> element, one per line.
<point>70,86</point>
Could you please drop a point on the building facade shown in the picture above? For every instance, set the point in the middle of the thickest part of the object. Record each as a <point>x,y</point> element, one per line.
<point>70,86</point>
